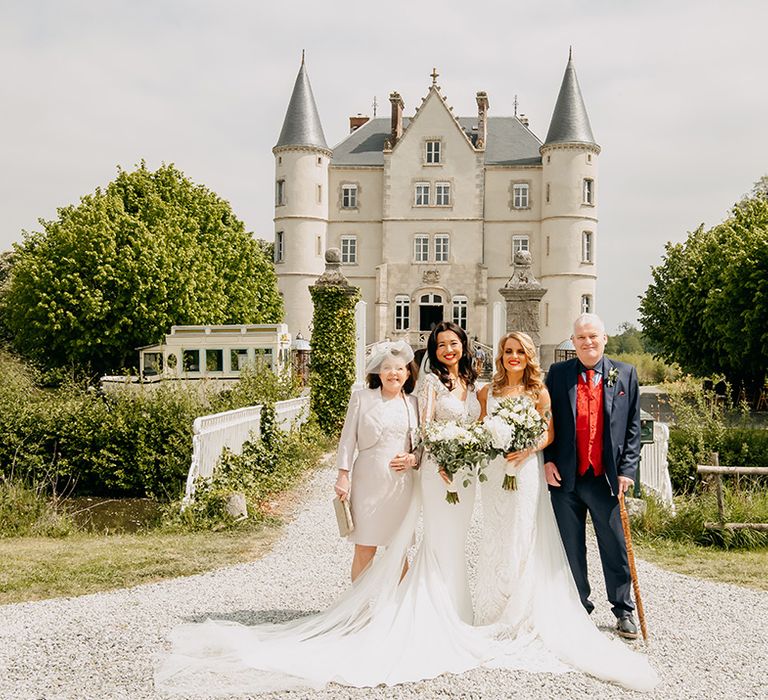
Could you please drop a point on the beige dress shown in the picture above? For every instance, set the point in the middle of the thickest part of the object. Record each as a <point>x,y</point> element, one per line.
<point>376,430</point>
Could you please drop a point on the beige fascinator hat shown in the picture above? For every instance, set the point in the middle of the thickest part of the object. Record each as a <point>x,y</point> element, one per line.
<point>385,350</point>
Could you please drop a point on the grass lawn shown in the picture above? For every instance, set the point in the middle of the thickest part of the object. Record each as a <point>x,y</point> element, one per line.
<point>32,568</point>
<point>741,567</point>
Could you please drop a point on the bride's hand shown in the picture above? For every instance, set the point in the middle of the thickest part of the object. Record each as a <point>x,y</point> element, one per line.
<point>444,476</point>
<point>518,456</point>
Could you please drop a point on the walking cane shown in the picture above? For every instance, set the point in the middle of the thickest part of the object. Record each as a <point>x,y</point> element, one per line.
<point>632,569</point>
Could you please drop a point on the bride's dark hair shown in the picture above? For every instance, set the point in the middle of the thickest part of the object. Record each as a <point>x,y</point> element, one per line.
<point>466,362</point>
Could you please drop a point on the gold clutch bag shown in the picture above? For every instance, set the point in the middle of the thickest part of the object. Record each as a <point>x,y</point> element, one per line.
<point>343,516</point>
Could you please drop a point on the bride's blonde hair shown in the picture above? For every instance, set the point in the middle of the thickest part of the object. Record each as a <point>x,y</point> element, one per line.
<point>532,374</point>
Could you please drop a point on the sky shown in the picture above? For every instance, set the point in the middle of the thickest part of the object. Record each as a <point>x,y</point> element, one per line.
<point>676,94</point>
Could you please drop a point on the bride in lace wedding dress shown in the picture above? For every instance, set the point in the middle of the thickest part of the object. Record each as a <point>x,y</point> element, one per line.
<point>525,589</point>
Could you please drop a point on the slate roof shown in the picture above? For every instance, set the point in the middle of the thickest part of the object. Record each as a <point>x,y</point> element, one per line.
<point>302,126</point>
<point>508,142</point>
<point>570,123</point>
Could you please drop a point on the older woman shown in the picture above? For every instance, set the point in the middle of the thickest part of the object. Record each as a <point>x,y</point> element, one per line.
<point>380,420</point>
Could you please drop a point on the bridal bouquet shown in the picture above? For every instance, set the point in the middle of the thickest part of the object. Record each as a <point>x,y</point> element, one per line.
<point>457,448</point>
<point>514,425</point>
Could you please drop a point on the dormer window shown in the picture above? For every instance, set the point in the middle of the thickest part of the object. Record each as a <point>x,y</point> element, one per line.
<point>433,153</point>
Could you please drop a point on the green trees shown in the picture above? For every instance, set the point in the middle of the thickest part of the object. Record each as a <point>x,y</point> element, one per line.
<point>707,307</point>
<point>118,270</point>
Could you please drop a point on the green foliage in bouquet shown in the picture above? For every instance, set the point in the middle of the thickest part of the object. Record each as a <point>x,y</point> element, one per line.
<point>460,449</point>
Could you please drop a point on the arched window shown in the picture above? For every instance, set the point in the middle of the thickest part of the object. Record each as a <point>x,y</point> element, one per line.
<point>460,304</point>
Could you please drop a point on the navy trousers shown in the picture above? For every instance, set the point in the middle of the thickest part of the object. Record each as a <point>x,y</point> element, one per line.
<point>593,494</point>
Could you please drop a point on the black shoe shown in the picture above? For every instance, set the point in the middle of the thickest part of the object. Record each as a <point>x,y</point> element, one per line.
<point>626,627</point>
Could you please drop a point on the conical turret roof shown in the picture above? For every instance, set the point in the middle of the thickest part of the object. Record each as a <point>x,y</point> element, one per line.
<point>570,123</point>
<point>301,126</point>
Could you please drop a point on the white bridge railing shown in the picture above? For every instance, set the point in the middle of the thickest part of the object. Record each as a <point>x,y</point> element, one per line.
<point>654,466</point>
<point>230,429</point>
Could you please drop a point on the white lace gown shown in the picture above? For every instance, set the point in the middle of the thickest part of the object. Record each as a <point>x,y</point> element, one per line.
<point>525,589</point>
<point>384,632</point>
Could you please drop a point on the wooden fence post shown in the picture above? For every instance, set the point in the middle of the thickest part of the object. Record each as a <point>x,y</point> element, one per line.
<point>715,460</point>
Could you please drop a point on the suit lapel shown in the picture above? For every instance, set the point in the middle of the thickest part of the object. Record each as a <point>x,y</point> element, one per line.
<point>572,378</point>
<point>607,390</point>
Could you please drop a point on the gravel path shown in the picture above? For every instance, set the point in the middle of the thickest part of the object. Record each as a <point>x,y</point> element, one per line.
<point>708,640</point>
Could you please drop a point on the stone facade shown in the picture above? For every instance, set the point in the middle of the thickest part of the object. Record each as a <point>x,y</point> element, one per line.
<point>428,212</point>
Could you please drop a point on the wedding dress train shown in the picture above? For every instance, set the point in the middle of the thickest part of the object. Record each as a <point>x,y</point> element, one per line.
<point>526,591</point>
<point>383,631</point>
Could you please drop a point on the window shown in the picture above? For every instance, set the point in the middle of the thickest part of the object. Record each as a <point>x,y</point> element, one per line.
<point>589,191</point>
<point>402,312</point>
<point>520,244</point>
<point>421,248</point>
<point>586,303</point>
<point>548,191</point>
<point>520,196</point>
<point>460,311</point>
<point>589,157</point>
<point>319,245</point>
<point>190,360</point>
<point>153,363</point>
<point>546,314</point>
<point>214,360</point>
<point>433,152</point>
<point>422,194</point>
<point>238,358</point>
<point>349,250</point>
<point>547,246</point>
<point>319,194</point>
<point>442,247</point>
<point>280,193</point>
<point>442,194</point>
<point>280,247</point>
<point>263,357</point>
<point>319,160</point>
<point>349,196</point>
<point>586,247</point>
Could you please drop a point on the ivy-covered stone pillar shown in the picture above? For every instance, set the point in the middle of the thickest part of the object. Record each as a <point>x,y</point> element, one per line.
<point>332,360</point>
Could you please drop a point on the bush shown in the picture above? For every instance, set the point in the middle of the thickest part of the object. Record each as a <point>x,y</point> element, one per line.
<point>650,370</point>
<point>126,442</point>
<point>703,426</point>
<point>264,468</point>
<point>692,511</point>
<point>27,511</point>
<point>332,368</point>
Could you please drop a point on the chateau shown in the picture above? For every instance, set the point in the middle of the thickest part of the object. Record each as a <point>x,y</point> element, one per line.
<point>429,210</point>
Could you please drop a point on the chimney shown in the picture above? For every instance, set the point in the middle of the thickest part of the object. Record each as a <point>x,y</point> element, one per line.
<point>482,119</point>
<point>523,120</point>
<point>357,121</point>
<point>397,117</point>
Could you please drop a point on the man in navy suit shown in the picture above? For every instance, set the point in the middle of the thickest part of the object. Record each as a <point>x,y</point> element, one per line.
<point>596,416</point>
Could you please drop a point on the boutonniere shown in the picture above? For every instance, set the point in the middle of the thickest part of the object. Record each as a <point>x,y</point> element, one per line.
<point>613,375</point>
